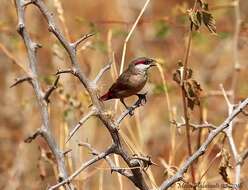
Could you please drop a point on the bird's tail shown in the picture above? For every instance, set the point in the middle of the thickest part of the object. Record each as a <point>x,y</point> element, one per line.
<point>105,97</point>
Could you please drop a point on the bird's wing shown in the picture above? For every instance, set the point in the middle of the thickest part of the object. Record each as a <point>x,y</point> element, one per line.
<point>122,83</point>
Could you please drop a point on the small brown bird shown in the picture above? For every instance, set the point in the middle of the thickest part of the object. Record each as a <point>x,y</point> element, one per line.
<point>131,81</point>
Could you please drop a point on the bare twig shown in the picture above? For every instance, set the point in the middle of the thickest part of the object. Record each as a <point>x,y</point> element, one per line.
<point>101,72</point>
<point>179,175</point>
<point>216,93</point>
<point>64,71</point>
<point>80,123</point>
<point>83,38</point>
<point>194,126</point>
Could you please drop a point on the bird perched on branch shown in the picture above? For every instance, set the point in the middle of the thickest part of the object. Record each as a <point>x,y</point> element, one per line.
<point>131,81</point>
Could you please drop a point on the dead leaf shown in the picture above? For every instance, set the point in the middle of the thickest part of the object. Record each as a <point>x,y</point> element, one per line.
<point>224,164</point>
<point>209,21</point>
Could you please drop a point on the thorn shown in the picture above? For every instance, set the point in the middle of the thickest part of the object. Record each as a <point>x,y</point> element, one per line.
<point>67,151</point>
<point>20,28</point>
<point>51,89</point>
<point>32,137</point>
<point>83,38</point>
<point>20,80</point>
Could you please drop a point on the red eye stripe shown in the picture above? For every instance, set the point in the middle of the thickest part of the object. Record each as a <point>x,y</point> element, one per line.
<point>140,62</point>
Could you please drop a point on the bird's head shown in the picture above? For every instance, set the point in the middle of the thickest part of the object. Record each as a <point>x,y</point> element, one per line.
<point>142,64</point>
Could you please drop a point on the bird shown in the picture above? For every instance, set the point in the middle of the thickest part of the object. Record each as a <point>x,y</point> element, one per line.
<point>131,81</point>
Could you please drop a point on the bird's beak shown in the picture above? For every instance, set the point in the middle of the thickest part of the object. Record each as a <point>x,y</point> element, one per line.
<point>153,63</point>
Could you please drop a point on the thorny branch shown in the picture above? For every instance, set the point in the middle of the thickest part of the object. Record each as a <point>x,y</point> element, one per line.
<point>179,174</point>
<point>135,174</point>
<point>110,162</point>
<point>45,130</point>
<point>85,165</point>
<point>194,126</point>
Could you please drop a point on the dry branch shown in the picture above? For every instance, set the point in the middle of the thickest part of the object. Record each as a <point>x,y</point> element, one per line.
<point>91,87</point>
<point>85,165</point>
<point>101,72</point>
<point>45,130</point>
<point>179,175</point>
<point>82,39</point>
<point>80,123</point>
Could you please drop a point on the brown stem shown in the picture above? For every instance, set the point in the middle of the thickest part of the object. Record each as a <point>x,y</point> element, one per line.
<point>184,100</point>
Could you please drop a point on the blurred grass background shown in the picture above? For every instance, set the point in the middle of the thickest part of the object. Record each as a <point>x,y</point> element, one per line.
<point>161,34</point>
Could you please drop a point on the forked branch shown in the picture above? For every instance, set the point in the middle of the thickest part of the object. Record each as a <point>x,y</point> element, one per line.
<point>90,85</point>
<point>183,169</point>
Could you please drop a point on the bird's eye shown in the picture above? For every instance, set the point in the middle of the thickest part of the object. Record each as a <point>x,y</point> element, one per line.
<point>147,62</point>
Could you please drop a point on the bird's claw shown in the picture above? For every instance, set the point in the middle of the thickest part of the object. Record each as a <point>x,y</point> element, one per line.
<point>142,98</point>
<point>130,111</point>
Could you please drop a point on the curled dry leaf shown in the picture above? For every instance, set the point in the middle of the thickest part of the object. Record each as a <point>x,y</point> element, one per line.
<point>192,87</point>
<point>199,15</point>
<point>224,164</point>
<point>193,90</point>
<point>209,21</point>
<point>195,19</point>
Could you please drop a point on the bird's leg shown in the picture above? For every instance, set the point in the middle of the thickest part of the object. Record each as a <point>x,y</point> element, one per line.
<point>142,97</point>
<point>128,108</point>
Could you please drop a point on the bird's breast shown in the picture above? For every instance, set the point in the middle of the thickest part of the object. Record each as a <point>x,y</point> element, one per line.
<point>138,81</point>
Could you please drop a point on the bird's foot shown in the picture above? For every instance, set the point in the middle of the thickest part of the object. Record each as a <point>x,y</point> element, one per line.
<point>130,111</point>
<point>142,98</point>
